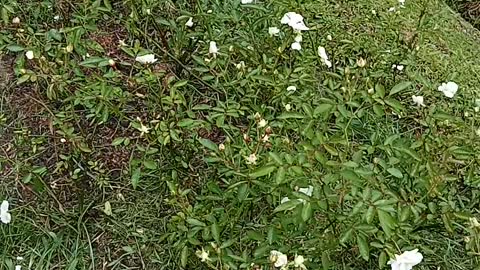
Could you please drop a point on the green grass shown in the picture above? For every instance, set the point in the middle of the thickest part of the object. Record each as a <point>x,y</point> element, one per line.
<point>88,191</point>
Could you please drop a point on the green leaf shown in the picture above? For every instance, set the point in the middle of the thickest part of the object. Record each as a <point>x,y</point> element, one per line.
<point>180,83</point>
<point>208,144</point>
<point>287,206</point>
<point>386,222</point>
<point>399,87</point>
<point>395,172</point>
<point>280,179</point>
<point>291,115</point>
<point>228,243</point>
<point>135,178</point>
<point>262,171</point>
<point>321,109</point>
<point>150,164</point>
<point>325,261</point>
<point>370,214</point>
<point>395,104</point>
<point>216,232</point>
<point>15,48</point>
<point>306,211</point>
<point>184,256</point>
<point>84,148</point>
<point>117,141</point>
<point>276,157</point>
<point>382,260</point>
<point>363,247</point>
<point>379,90</point>
<point>195,222</point>
<point>346,236</point>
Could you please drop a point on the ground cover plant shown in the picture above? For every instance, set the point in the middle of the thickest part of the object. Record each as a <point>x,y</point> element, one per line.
<point>237,134</point>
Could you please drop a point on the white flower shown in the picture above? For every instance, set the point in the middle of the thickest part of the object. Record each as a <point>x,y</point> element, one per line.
<point>221,147</point>
<point>203,255</point>
<point>252,159</point>
<point>307,191</point>
<point>288,107</point>
<point>406,261</point>
<point>477,109</point>
<point>189,23</point>
<point>148,11</point>
<point>284,200</point>
<point>16,20</point>
<point>56,17</point>
<point>69,48</point>
<point>143,129</point>
<point>5,217</point>
<point>361,62</point>
<point>146,59</point>
<point>247,1</point>
<point>240,65</point>
<point>111,62</point>
<point>401,2</point>
<point>295,21</point>
<point>298,262</point>
<point>449,89</point>
<point>278,259</point>
<point>474,222</point>
<point>418,100</point>
<point>265,138</point>
<point>18,267</point>
<point>392,9</point>
<point>400,67</point>
<point>262,123</point>
<point>209,11</point>
<point>29,55</point>
<point>374,12</point>
<point>371,91</point>
<point>212,49</point>
<point>329,37</point>
<point>273,31</point>
<point>296,46</point>
<point>63,140</point>
<point>19,258</point>
<point>323,54</point>
<point>291,88</point>
<point>298,38</point>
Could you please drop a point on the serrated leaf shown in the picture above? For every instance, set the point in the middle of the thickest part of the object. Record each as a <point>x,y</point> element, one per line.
<point>399,87</point>
<point>262,171</point>
<point>287,206</point>
<point>395,172</point>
